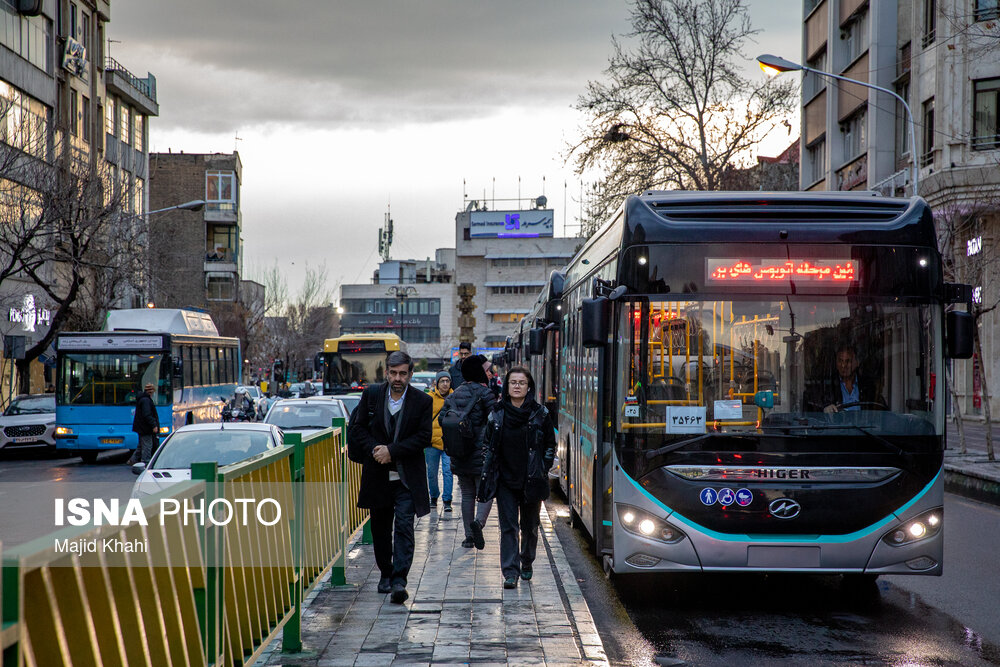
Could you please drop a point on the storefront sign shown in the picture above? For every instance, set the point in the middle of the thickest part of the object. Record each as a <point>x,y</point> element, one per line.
<point>30,316</point>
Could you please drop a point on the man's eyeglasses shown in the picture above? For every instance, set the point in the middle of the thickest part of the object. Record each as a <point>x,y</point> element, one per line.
<point>517,383</point>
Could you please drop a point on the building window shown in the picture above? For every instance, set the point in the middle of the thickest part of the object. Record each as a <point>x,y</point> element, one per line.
<point>72,20</point>
<point>140,202</point>
<point>985,107</point>
<point>855,36</point>
<point>816,161</point>
<point>74,113</point>
<point>85,30</point>
<point>138,122</point>
<point>220,190</point>
<point>930,22</point>
<point>928,134</point>
<point>25,123</point>
<point>812,84</point>
<point>902,120</point>
<point>27,36</point>
<point>855,130</point>
<point>987,10</point>
<point>506,317</point>
<point>219,288</point>
<point>125,129</point>
<point>109,116</point>
<point>86,119</point>
<point>222,242</point>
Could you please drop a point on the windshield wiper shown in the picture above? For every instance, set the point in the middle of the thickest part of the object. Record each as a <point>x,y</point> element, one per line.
<point>888,444</point>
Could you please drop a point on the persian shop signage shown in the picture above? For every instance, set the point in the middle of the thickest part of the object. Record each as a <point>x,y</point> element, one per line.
<point>29,315</point>
<point>511,224</point>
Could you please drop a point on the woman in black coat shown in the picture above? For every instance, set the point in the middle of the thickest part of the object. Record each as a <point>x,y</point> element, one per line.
<point>520,445</point>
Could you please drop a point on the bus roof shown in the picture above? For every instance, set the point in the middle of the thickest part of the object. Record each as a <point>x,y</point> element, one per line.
<point>161,320</point>
<point>392,341</point>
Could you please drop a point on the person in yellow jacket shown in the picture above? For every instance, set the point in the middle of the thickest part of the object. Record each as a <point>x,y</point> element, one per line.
<point>435,453</point>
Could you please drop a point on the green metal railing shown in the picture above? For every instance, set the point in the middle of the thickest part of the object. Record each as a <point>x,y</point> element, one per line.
<point>204,593</point>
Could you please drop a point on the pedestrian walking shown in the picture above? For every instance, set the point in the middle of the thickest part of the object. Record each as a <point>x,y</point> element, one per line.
<point>520,446</point>
<point>464,352</point>
<point>435,454</point>
<point>387,435</point>
<point>145,423</point>
<point>471,404</point>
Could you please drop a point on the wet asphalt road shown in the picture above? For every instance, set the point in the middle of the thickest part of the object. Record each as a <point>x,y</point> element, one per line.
<point>737,619</point>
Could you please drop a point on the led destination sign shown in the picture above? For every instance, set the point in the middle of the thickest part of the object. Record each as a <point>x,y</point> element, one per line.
<point>729,270</point>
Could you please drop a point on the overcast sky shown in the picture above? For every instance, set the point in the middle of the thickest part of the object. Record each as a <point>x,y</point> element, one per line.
<point>345,108</point>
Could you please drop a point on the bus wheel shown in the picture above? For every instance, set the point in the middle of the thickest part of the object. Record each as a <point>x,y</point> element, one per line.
<point>609,570</point>
<point>89,456</point>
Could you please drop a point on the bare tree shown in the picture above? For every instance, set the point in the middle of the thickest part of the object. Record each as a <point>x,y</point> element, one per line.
<point>675,112</point>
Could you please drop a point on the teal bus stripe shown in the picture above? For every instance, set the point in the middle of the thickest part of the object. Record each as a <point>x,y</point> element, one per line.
<point>820,539</point>
<point>607,523</point>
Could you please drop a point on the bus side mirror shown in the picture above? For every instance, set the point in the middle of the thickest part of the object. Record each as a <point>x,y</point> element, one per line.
<point>553,311</point>
<point>594,322</point>
<point>536,341</point>
<point>959,327</point>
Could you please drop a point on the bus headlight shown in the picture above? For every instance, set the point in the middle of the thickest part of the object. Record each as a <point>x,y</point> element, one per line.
<point>164,430</point>
<point>62,432</point>
<point>642,523</point>
<point>921,527</point>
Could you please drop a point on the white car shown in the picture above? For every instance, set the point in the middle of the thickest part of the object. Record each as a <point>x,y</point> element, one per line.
<point>305,415</point>
<point>29,421</point>
<point>222,443</point>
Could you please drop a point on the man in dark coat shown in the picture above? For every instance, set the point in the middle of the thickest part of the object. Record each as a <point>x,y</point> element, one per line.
<point>146,424</point>
<point>387,434</point>
<point>848,390</point>
<point>464,352</point>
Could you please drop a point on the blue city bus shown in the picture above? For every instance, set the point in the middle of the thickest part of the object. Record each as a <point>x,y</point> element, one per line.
<point>704,421</point>
<point>100,374</point>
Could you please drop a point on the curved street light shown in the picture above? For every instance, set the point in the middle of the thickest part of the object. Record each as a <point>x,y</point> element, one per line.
<point>773,65</point>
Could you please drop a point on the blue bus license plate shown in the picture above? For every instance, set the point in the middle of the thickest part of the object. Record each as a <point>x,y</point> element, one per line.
<point>112,441</point>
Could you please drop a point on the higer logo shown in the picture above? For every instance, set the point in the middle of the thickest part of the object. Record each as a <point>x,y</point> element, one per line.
<point>784,508</point>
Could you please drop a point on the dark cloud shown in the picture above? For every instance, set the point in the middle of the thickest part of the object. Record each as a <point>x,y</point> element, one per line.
<point>371,62</point>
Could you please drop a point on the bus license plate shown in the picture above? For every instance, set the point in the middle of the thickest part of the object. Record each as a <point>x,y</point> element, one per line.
<point>25,438</point>
<point>112,441</point>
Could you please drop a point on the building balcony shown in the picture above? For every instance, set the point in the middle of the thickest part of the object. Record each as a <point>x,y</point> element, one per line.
<point>140,93</point>
<point>216,211</point>
<point>221,260</point>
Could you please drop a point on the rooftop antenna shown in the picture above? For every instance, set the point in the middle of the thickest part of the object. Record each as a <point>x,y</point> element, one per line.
<point>236,139</point>
<point>385,237</point>
<point>110,42</point>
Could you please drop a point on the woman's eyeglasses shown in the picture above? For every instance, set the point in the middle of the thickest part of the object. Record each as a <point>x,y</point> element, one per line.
<point>517,383</point>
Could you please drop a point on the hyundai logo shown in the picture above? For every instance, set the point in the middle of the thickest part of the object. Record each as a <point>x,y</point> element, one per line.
<point>784,508</point>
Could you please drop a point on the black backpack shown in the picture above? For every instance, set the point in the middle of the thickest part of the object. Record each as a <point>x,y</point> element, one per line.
<point>456,429</point>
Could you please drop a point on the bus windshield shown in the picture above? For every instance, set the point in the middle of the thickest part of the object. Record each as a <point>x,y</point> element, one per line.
<point>114,378</point>
<point>347,370</point>
<point>782,366</point>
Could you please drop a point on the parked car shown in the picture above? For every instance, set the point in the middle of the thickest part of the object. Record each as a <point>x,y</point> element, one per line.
<point>305,415</point>
<point>423,380</point>
<point>302,390</point>
<point>29,421</point>
<point>222,443</point>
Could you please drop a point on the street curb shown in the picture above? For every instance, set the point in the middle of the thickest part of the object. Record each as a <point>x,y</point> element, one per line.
<point>590,639</point>
<point>981,485</point>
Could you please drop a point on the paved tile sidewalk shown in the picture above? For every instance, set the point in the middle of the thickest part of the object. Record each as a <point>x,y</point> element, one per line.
<point>458,611</point>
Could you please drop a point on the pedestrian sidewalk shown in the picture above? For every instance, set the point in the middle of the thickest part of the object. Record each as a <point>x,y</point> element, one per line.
<point>972,474</point>
<point>458,612</point>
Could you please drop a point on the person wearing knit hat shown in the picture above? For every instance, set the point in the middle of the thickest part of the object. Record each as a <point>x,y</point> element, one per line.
<point>474,398</point>
<point>435,454</point>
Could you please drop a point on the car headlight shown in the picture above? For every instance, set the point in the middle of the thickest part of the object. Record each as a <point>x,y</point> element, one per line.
<point>918,528</point>
<point>642,523</point>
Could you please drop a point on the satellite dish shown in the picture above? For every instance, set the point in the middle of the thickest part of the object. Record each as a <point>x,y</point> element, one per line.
<point>541,202</point>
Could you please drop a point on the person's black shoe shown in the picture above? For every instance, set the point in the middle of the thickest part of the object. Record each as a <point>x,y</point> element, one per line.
<point>447,506</point>
<point>467,543</point>
<point>526,573</point>
<point>399,594</point>
<point>510,582</point>
<point>384,585</point>
<point>434,503</point>
<point>477,534</point>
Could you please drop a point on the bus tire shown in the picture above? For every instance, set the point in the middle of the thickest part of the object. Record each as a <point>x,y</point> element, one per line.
<point>89,456</point>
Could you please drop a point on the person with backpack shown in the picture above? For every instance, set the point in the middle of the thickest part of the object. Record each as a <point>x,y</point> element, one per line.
<point>463,421</point>
<point>435,454</point>
<point>464,352</point>
<point>520,445</point>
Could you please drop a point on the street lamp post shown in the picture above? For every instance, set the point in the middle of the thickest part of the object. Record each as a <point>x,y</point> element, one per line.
<point>401,292</point>
<point>772,65</point>
<point>193,205</point>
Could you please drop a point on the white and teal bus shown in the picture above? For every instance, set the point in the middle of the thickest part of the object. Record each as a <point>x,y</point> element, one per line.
<point>100,374</point>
